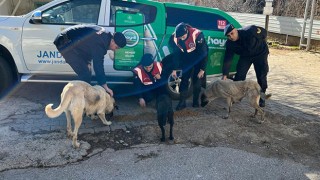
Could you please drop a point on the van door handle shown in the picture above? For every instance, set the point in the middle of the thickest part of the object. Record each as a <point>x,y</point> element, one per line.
<point>148,38</point>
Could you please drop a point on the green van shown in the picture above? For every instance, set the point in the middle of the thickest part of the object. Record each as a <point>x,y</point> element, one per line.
<point>27,53</point>
<point>148,26</point>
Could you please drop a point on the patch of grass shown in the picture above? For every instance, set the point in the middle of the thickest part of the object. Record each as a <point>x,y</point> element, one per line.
<point>278,45</point>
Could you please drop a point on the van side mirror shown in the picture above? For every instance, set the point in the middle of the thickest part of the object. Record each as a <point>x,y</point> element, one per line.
<point>36,18</point>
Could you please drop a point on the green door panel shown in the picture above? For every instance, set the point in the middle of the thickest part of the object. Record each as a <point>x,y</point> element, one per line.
<point>128,57</point>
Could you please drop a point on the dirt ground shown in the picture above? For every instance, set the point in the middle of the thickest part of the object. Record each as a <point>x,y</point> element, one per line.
<point>291,129</point>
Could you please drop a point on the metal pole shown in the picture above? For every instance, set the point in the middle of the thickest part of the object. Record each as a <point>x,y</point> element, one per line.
<point>267,10</point>
<point>311,24</point>
<point>304,23</point>
<point>267,25</point>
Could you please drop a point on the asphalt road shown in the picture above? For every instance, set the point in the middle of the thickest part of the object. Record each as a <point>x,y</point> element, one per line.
<point>32,147</point>
<point>153,161</point>
<point>170,162</point>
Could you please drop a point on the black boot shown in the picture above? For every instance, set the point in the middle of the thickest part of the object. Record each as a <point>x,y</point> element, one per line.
<point>196,94</point>
<point>195,102</point>
<point>204,100</point>
<point>262,101</point>
<point>182,102</point>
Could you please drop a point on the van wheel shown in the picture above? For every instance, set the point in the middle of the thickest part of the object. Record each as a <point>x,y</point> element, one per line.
<point>6,77</point>
<point>174,85</point>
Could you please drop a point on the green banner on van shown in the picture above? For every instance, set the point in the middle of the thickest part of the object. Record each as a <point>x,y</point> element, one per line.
<point>128,57</point>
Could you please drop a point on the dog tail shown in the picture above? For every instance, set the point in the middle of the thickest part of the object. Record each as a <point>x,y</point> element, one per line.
<point>262,95</point>
<point>65,101</point>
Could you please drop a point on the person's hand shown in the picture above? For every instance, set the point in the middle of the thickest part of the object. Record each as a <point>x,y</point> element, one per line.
<point>102,30</point>
<point>224,77</point>
<point>157,76</point>
<point>174,74</point>
<point>111,54</point>
<point>142,102</point>
<point>108,90</point>
<point>89,67</point>
<point>201,74</point>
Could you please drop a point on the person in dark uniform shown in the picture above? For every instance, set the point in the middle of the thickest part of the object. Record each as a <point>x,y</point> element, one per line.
<point>250,43</point>
<point>148,80</point>
<point>81,44</point>
<point>190,52</point>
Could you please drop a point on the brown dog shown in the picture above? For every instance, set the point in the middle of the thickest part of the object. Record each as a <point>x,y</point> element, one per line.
<point>77,98</point>
<point>234,91</point>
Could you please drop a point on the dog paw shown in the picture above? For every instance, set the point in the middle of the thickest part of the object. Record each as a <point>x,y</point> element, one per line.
<point>171,142</point>
<point>162,139</point>
<point>70,135</point>
<point>258,121</point>
<point>76,145</point>
<point>225,117</point>
<point>93,117</point>
<point>108,123</point>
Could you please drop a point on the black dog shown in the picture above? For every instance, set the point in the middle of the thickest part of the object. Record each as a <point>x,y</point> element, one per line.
<point>164,114</point>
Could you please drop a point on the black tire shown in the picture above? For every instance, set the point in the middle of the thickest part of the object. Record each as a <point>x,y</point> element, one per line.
<point>173,85</point>
<point>7,78</point>
<point>173,88</point>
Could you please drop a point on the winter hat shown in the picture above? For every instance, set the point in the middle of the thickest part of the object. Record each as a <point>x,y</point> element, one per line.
<point>228,29</point>
<point>119,39</point>
<point>147,59</point>
<point>181,29</point>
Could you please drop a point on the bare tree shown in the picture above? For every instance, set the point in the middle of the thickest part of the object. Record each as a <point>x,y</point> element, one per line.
<point>292,8</point>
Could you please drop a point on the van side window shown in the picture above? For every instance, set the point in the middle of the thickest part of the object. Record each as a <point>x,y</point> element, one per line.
<point>148,12</point>
<point>73,12</point>
<point>201,20</point>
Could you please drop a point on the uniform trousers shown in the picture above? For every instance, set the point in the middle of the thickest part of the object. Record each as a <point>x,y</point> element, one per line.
<point>261,68</point>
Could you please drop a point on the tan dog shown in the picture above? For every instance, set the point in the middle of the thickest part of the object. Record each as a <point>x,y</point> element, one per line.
<point>77,98</point>
<point>234,91</point>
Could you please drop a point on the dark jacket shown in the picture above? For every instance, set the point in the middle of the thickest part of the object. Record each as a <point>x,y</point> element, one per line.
<point>198,57</point>
<point>158,87</point>
<point>251,44</point>
<point>84,40</point>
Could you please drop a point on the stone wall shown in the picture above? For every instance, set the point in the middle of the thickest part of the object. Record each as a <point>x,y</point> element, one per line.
<point>283,39</point>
